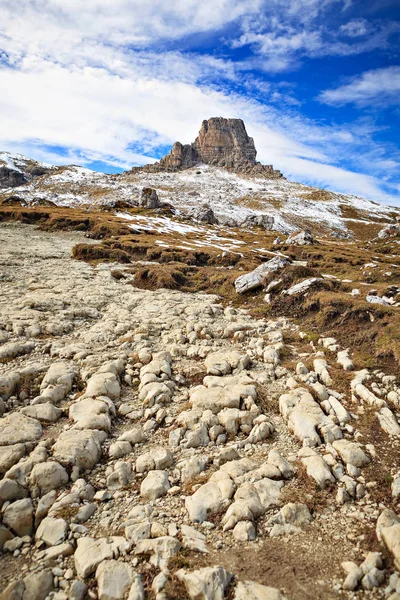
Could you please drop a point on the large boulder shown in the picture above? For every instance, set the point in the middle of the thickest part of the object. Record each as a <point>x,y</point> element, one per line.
<point>47,476</point>
<point>300,238</point>
<point>149,198</point>
<point>114,579</point>
<point>18,516</point>
<point>205,214</point>
<point>209,583</point>
<point>155,485</point>
<point>16,428</point>
<point>91,552</point>
<point>259,276</point>
<point>250,590</point>
<point>79,448</point>
<point>265,221</point>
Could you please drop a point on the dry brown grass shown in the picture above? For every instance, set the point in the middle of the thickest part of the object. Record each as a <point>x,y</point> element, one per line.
<point>304,489</point>
<point>371,331</point>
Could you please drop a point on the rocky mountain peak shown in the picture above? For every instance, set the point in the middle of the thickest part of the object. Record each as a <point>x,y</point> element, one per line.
<point>17,169</point>
<point>221,143</point>
<point>224,142</point>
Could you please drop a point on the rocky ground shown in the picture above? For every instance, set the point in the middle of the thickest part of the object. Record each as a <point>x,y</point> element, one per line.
<point>157,444</point>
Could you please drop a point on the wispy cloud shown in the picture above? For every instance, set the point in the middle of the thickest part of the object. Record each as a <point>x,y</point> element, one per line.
<point>378,86</point>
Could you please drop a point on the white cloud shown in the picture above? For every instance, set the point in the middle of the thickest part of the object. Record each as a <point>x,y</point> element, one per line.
<point>355,28</point>
<point>46,25</point>
<point>379,86</point>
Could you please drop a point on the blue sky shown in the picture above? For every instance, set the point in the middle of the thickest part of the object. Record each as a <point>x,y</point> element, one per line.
<point>111,84</point>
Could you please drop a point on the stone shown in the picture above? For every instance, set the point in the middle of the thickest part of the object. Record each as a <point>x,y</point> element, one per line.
<point>300,238</point>
<point>252,500</point>
<point>42,412</point>
<point>218,398</point>
<point>44,505</point>
<point>316,467</point>
<point>351,453</point>
<point>244,531</point>
<point>54,552</point>
<point>193,539</point>
<point>277,460</point>
<point>386,519</point>
<point>114,579</point>
<point>208,583</point>
<point>205,214</point>
<point>306,419</point>
<point>11,490</point>
<point>38,585</point>
<point>91,413</point>
<point>77,590</point>
<point>17,428</point>
<point>224,362</point>
<point>160,550</point>
<point>5,536</point>
<point>18,516</point>
<point>303,286</point>
<point>52,531</point>
<point>149,198</point>
<point>222,143</point>
<point>212,497</point>
<point>78,448</point>
<point>391,538</point>
<point>155,485</point>
<point>259,276</point>
<point>91,552</point>
<point>103,384</point>
<point>353,578</point>
<point>250,590</point>
<point>47,476</point>
<point>137,590</point>
<point>10,455</point>
<point>388,421</point>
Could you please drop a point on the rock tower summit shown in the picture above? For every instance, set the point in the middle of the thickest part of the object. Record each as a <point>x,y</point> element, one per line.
<point>221,143</point>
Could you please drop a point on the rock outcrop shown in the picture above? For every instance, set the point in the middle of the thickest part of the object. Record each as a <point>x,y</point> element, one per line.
<point>16,170</point>
<point>221,143</point>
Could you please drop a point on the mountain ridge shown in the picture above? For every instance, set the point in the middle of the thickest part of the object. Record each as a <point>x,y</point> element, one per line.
<point>218,169</point>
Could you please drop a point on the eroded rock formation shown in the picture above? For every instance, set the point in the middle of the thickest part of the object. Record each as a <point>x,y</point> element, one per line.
<point>221,143</point>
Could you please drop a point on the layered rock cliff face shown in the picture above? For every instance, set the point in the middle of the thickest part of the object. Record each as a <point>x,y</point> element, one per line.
<point>16,169</point>
<point>220,143</point>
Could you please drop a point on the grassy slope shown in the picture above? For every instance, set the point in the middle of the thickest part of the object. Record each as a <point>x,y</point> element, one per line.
<point>371,331</point>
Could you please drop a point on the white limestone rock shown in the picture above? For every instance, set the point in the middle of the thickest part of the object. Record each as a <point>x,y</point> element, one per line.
<point>155,485</point>
<point>250,590</point>
<point>351,453</point>
<point>16,428</point>
<point>114,579</point>
<point>79,448</point>
<point>209,583</point>
<point>258,277</point>
<point>160,550</point>
<point>18,516</point>
<point>47,476</point>
<point>52,531</point>
<point>91,552</point>
<point>224,362</point>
